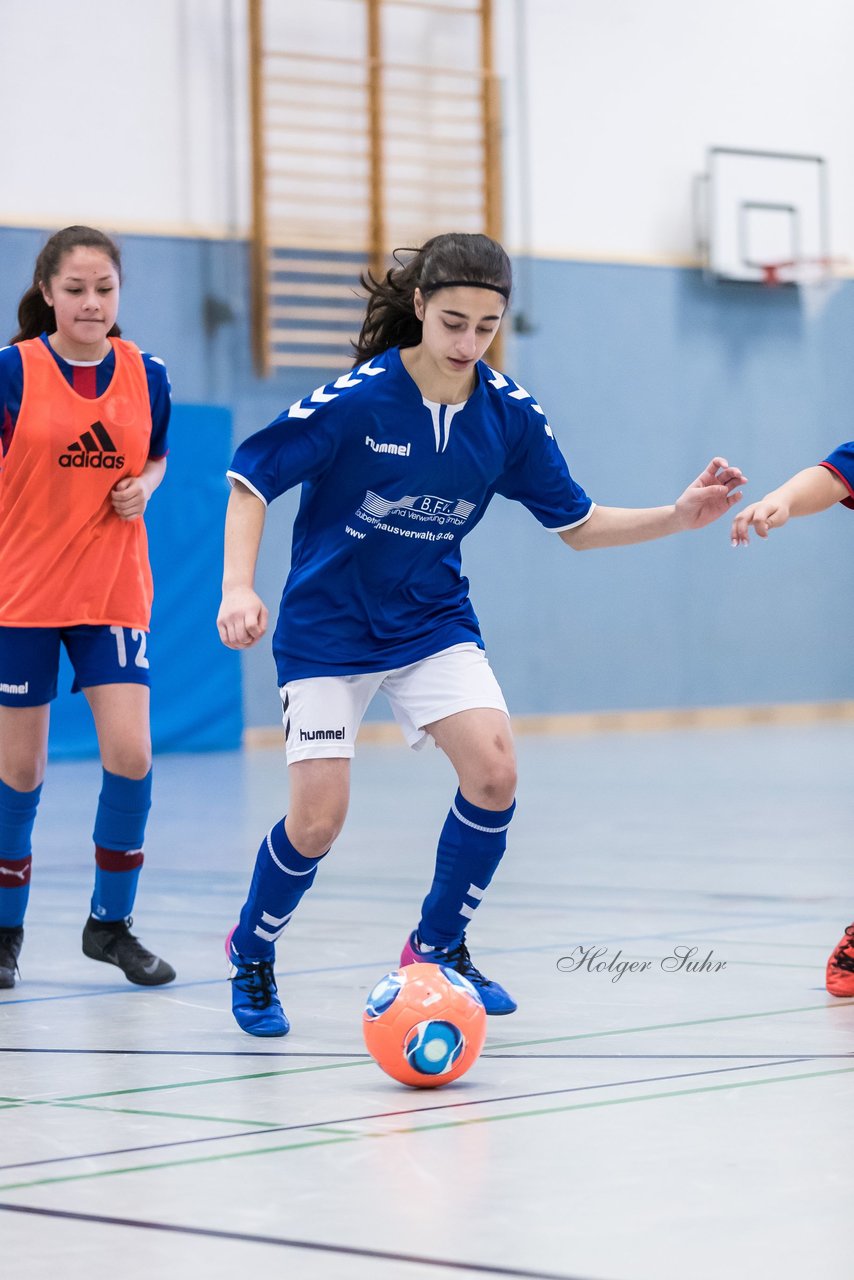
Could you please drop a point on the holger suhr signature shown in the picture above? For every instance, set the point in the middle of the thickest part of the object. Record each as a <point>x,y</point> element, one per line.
<point>682,959</point>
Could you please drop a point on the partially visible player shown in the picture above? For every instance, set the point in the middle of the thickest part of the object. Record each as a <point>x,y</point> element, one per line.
<point>83,417</point>
<point>805,494</point>
<point>398,460</point>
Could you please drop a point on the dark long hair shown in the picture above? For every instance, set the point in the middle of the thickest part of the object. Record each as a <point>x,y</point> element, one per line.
<point>453,258</point>
<point>35,316</point>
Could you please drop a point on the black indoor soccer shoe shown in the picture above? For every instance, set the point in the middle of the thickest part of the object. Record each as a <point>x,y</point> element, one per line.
<point>113,942</point>
<point>10,949</point>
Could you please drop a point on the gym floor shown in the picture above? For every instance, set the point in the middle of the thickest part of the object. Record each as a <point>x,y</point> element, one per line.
<point>645,1123</point>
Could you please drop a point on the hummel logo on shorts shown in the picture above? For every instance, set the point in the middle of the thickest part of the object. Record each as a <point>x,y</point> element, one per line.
<point>93,449</point>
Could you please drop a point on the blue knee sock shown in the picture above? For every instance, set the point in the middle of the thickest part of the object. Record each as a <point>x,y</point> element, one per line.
<point>123,807</point>
<point>471,846</point>
<point>17,815</point>
<point>281,877</point>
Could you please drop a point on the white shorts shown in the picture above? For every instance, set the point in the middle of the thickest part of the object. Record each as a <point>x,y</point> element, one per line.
<point>322,714</point>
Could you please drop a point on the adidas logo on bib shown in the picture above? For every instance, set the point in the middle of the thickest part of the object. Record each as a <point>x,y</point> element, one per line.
<point>93,449</point>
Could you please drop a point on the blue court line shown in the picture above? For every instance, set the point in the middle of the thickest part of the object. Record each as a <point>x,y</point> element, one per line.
<point>378,966</point>
<point>383,966</point>
<point>314,1246</point>
<point>371,1116</point>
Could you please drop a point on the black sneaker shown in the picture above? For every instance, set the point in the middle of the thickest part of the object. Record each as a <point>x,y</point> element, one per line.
<point>10,949</point>
<point>113,942</point>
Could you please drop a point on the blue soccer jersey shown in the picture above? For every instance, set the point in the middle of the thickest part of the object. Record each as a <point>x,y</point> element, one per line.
<point>841,463</point>
<point>391,483</point>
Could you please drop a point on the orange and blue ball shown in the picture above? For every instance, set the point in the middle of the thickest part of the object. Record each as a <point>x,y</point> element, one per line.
<point>425,1025</point>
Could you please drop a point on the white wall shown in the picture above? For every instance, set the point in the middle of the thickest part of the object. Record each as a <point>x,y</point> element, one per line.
<point>135,115</point>
<point>611,105</point>
<point>131,115</point>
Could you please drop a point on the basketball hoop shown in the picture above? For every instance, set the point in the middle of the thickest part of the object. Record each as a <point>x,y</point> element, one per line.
<point>771,273</point>
<point>800,271</point>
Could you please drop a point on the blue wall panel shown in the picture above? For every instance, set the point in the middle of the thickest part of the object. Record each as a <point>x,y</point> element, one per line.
<point>645,372</point>
<point>196,682</point>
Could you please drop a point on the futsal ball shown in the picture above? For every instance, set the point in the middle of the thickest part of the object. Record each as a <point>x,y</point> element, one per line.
<point>424,1025</point>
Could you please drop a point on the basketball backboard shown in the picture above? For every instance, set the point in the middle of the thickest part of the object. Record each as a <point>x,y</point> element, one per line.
<point>756,209</point>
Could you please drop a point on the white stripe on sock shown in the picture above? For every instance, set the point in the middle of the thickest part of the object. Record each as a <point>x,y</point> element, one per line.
<point>266,918</point>
<point>492,831</point>
<point>281,865</point>
<point>275,934</point>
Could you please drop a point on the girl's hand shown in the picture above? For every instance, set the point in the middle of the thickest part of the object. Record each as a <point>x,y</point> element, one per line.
<point>242,618</point>
<point>769,513</point>
<point>710,495</point>
<point>130,497</point>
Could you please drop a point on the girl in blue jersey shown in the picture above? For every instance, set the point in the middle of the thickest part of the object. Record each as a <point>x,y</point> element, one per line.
<point>398,460</point>
<point>83,421</point>
<point>805,494</point>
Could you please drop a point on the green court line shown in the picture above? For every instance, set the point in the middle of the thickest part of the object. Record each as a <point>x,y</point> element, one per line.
<point>173,1115</point>
<point>185,1084</point>
<point>425,1128</point>
<point>670,1026</point>
<point>6,1102</point>
<point>141,1111</point>
<point>329,1128</point>
<point>176,1164</point>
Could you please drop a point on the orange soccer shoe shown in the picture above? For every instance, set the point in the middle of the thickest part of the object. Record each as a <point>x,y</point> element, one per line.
<point>840,966</point>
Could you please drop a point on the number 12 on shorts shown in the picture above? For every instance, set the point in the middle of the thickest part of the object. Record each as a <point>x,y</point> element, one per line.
<point>139,638</point>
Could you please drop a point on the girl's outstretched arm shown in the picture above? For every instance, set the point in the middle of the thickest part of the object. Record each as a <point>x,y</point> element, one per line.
<point>709,496</point>
<point>805,494</point>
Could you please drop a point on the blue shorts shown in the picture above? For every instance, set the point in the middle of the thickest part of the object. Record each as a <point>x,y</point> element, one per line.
<point>29,660</point>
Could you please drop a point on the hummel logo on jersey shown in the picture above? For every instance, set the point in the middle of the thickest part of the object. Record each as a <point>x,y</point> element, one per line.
<point>93,449</point>
<point>402,450</point>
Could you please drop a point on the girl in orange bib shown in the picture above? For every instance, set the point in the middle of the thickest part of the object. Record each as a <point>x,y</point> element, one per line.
<point>83,419</point>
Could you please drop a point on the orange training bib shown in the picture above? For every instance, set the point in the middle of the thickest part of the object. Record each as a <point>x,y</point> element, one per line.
<point>66,558</point>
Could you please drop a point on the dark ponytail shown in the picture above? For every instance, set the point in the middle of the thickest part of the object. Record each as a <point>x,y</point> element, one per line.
<point>35,316</point>
<point>453,259</point>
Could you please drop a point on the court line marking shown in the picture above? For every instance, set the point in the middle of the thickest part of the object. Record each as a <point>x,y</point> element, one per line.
<point>187,1053</point>
<point>269,1127</point>
<point>385,1115</point>
<point>6,1101</point>
<point>669,1026</point>
<point>804,1056</point>
<point>325,1053</point>
<point>181,1084</point>
<point>355,1251</point>
<point>408,1130</point>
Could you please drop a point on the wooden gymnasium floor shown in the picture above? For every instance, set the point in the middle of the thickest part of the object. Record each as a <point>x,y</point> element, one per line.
<point>661,1126</point>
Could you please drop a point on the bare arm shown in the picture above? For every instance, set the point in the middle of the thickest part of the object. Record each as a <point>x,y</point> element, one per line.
<point>242,617</point>
<point>805,494</point>
<point>131,495</point>
<point>710,495</point>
